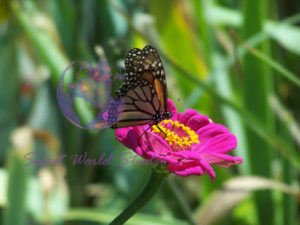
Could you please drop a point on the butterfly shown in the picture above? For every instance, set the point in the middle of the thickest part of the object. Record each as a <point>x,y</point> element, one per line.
<point>142,97</point>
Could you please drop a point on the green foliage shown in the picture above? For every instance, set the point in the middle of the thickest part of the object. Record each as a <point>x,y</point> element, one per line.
<point>257,76</point>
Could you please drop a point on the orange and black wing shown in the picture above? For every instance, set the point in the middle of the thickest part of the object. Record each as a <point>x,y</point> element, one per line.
<point>142,98</point>
<point>146,65</point>
<point>140,106</point>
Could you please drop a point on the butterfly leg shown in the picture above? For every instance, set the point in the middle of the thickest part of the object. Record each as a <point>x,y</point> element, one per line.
<point>148,129</point>
<point>161,131</point>
<point>138,141</point>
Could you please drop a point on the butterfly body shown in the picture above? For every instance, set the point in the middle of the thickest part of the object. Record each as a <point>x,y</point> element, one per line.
<point>142,98</point>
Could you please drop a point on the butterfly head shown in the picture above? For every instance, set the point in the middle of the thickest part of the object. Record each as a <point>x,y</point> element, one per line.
<point>168,115</point>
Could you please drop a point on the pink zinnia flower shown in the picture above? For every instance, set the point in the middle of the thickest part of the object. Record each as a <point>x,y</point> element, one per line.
<point>190,143</point>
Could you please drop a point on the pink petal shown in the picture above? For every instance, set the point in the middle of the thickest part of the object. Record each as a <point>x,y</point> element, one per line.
<point>130,137</point>
<point>184,117</point>
<point>193,119</point>
<point>209,131</point>
<point>221,143</point>
<point>154,142</point>
<point>121,136</point>
<point>187,168</point>
<point>222,159</point>
<point>163,157</point>
<point>195,170</point>
<point>187,155</point>
<point>195,157</point>
<point>136,142</point>
<point>198,121</point>
<point>171,107</point>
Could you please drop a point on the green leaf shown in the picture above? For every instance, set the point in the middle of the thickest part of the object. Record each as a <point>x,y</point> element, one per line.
<point>258,83</point>
<point>284,33</point>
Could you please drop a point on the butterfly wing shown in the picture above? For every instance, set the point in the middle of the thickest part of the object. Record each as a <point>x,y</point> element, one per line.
<point>138,107</point>
<point>146,65</point>
<point>142,98</point>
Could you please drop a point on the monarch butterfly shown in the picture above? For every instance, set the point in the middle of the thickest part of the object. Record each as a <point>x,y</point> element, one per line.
<point>142,98</point>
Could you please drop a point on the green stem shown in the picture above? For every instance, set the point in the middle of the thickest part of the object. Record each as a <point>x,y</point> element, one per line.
<point>154,183</point>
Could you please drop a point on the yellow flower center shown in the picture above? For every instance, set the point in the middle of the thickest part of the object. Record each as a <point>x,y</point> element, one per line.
<point>178,136</point>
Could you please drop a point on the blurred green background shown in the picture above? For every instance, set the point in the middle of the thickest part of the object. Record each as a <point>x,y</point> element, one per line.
<point>235,61</point>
